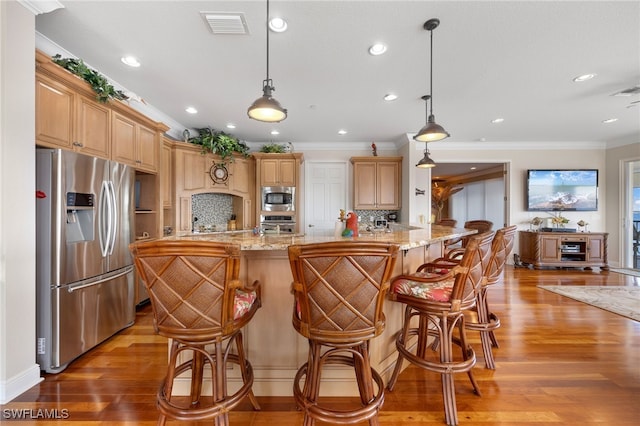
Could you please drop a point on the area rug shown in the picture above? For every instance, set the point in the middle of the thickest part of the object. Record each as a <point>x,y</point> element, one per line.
<point>626,271</point>
<point>623,301</point>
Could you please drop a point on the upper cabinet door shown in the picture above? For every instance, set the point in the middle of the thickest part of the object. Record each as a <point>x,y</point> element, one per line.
<point>364,181</point>
<point>147,149</point>
<point>94,128</point>
<point>55,106</point>
<point>124,139</point>
<point>388,182</point>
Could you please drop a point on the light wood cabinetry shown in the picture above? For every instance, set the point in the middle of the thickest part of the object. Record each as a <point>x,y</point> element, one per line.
<point>284,169</point>
<point>376,183</point>
<point>166,173</point>
<point>278,169</point>
<point>134,143</point>
<point>66,119</point>
<point>564,249</point>
<point>197,173</point>
<point>277,172</point>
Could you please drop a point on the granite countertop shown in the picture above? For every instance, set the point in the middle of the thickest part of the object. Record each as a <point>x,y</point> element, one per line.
<point>407,238</point>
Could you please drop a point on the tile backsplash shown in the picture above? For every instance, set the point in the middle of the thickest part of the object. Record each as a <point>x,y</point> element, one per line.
<point>211,210</point>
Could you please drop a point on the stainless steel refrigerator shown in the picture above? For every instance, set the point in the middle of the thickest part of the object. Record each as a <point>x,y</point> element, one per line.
<point>84,277</point>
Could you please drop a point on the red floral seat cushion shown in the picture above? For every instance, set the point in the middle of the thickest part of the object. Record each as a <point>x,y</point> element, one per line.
<point>439,291</point>
<point>243,301</point>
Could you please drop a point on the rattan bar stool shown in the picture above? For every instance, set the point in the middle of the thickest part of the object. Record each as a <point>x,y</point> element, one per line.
<point>339,290</point>
<point>200,304</point>
<point>439,303</point>
<point>486,322</point>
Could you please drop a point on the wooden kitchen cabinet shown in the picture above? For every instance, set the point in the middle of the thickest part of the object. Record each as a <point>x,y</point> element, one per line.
<point>69,117</point>
<point>134,143</point>
<point>278,172</point>
<point>66,119</point>
<point>564,249</point>
<point>166,173</point>
<point>278,169</point>
<point>197,173</point>
<point>376,183</point>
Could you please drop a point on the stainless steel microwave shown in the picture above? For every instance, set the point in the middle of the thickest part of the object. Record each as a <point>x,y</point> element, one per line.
<point>278,198</point>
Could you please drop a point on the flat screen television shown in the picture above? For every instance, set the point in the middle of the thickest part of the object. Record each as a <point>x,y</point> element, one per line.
<point>562,190</point>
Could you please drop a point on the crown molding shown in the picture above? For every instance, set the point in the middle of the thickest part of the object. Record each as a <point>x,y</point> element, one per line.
<point>38,7</point>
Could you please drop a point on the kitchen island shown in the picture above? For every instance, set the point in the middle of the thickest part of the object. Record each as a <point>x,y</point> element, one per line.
<point>273,347</point>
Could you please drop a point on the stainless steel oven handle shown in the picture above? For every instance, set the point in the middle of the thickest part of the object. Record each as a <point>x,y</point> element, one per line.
<point>88,283</point>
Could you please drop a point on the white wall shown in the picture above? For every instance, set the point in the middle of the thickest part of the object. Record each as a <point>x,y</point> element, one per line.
<point>18,369</point>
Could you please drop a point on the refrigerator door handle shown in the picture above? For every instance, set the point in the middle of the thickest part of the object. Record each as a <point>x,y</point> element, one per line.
<point>104,221</point>
<point>114,217</point>
<point>103,278</point>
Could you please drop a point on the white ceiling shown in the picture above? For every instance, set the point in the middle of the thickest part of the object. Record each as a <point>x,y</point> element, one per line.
<point>509,59</point>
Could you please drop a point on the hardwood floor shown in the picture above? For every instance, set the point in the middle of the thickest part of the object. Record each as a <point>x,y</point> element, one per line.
<point>560,362</point>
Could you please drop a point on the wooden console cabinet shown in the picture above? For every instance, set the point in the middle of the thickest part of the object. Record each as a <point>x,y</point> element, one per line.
<point>564,249</point>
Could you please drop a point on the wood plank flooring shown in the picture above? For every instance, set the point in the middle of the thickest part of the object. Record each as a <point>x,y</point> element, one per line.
<point>560,362</point>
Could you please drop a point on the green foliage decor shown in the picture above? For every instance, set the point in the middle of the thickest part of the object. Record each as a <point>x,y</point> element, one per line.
<point>272,148</point>
<point>220,143</point>
<point>99,83</point>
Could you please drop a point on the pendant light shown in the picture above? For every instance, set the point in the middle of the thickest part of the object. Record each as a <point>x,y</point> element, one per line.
<point>426,162</point>
<point>432,131</point>
<point>266,108</point>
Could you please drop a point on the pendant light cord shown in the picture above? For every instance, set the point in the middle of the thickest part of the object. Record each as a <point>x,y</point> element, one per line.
<point>267,26</point>
<point>431,73</point>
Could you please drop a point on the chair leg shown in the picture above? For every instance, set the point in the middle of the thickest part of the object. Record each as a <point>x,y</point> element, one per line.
<point>446,375</point>
<point>400,340</point>
<point>311,388</point>
<point>243,370</point>
<point>467,354</point>
<point>486,323</point>
<point>197,369</point>
<point>364,377</point>
<point>219,382</point>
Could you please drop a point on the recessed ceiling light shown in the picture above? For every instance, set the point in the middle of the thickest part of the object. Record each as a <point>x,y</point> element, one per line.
<point>342,132</point>
<point>231,126</point>
<point>497,120</point>
<point>584,77</point>
<point>131,61</point>
<point>191,110</point>
<point>377,49</point>
<point>278,25</point>
<point>610,120</point>
<point>390,97</point>
<point>275,132</point>
<point>472,168</point>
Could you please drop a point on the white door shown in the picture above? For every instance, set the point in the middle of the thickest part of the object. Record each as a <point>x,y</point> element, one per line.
<point>326,192</point>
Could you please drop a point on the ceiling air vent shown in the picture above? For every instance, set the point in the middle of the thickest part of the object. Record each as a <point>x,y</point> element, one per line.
<point>226,22</point>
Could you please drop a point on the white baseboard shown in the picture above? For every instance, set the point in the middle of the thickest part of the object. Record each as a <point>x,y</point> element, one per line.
<point>20,383</point>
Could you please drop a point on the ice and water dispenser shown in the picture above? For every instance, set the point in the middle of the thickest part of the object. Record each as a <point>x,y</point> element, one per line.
<point>80,217</point>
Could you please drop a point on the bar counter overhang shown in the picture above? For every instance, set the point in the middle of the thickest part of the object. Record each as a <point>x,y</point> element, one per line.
<point>273,347</point>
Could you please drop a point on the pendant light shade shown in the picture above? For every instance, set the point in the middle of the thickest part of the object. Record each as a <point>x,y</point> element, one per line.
<point>426,162</point>
<point>266,108</point>
<point>432,131</point>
